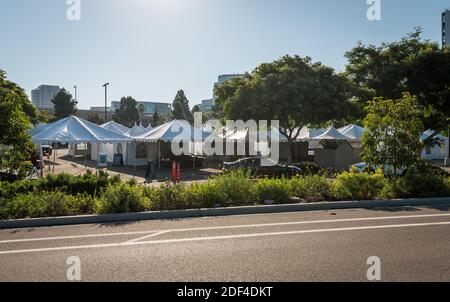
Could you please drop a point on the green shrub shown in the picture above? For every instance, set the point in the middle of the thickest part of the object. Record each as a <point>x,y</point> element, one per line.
<point>358,186</point>
<point>46,204</point>
<point>272,189</point>
<point>236,188</point>
<point>168,197</point>
<point>312,186</point>
<point>308,168</point>
<point>123,198</point>
<point>418,183</point>
<point>206,195</point>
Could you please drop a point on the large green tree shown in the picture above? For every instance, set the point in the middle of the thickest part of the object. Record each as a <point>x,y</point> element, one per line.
<point>22,98</point>
<point>293,90</point>
<point>180,108</point>
<point>64,104</point>
<point>392,132</point>
<point>95,118</point>
<point>15,143</point>
<point>412,65</point>
<point>127,114</point>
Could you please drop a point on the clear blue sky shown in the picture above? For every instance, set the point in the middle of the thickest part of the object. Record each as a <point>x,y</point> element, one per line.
<point>151,48</point>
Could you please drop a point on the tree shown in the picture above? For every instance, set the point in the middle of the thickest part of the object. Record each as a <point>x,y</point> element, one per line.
<point>180,108</point>
<point>27,107</point>
<point>127,114</point>
<point>392,132</point>
<point>44,116</point>
<point>158,119</point>
<point>15,143</point>
<point>64,104</point>
<point>195,109</point>
<point>293,90</point>
<point>95,118</point>
<point>141,110</point>
<point>409,65</point>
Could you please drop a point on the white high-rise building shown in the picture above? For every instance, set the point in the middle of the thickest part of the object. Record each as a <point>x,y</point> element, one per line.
<point>42,96</point>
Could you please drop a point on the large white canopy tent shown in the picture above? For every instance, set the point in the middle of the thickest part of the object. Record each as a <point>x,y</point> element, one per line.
<point>115,127</point>
<point>331,134</point>
<point>353,132</point>
<point>135,131</point>
<point>74,130</point>
<point>173,131</point>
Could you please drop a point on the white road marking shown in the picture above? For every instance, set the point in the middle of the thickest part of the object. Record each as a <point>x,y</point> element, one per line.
<point>147,237</point>
<point>240,236</point>
<point>227,227</point>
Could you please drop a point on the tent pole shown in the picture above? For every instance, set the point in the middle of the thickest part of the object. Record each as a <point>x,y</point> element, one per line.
<point>54,158</point>
<point>159,154</point>
<point>85,156</point>
<point>135,158</point>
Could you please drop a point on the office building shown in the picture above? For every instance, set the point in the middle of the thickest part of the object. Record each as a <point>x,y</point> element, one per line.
<point>42,96</point>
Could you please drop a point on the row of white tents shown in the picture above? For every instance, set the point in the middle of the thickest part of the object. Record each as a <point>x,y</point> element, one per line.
<point>138,144</point>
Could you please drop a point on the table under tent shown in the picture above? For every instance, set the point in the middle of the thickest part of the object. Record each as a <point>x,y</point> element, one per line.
<point>76,131</point>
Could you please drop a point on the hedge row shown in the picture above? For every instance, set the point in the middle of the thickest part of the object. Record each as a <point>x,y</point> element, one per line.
<point>60,195</point>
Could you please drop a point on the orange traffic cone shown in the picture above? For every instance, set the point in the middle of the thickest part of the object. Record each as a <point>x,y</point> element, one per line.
<point>174,171</point>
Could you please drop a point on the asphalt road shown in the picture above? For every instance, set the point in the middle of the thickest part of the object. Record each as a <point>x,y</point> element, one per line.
<point>413,244</point>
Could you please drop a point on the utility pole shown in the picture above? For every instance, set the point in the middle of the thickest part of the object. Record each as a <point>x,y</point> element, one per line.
<point>76,97</point>
<point>106,100</point>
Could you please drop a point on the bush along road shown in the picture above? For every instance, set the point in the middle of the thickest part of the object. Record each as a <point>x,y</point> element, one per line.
<point>66,195</point>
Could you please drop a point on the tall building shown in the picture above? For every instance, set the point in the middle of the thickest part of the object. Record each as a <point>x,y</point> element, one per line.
<point>42,96</point>
<point>149,107</point>
<point>207,105</point>
<point>446,28</point>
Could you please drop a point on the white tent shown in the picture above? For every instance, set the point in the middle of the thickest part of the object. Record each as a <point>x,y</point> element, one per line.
<point>331,134</point>
<point>307,133</point>
<point>75,130</point>
<point>176,130</point>
<point>115,127</point>
<point>353,132</point>
<point>437,151</point>
<point>135,131</point>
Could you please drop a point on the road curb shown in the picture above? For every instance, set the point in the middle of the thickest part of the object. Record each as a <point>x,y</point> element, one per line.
<point>179,214</point>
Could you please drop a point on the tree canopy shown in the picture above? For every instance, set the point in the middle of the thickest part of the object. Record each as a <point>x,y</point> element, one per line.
<point>95,118</point>
<point>64,104</point>
<point>15,143</point>
<point>392,132</point>
<point>180,108</point>
<point>127,114</point>
<point>22,98</point>
<point>293,90</point>
<point>410,65</point>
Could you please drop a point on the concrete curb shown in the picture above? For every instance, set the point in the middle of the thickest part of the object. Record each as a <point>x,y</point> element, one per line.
<point>179,214</point>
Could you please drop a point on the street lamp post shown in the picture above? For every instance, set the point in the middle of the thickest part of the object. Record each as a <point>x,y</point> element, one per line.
<point>106,100</point>
<point>76,97</point>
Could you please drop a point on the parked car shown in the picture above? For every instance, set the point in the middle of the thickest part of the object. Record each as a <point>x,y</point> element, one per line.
<point>388,169</point>
<point>254,165</point>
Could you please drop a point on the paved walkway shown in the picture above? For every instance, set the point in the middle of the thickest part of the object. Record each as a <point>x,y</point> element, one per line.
<point>78,166</point>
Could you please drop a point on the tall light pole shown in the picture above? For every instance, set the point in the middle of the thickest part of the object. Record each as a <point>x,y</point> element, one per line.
<point>76,97</point>
<point>106,100</point>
